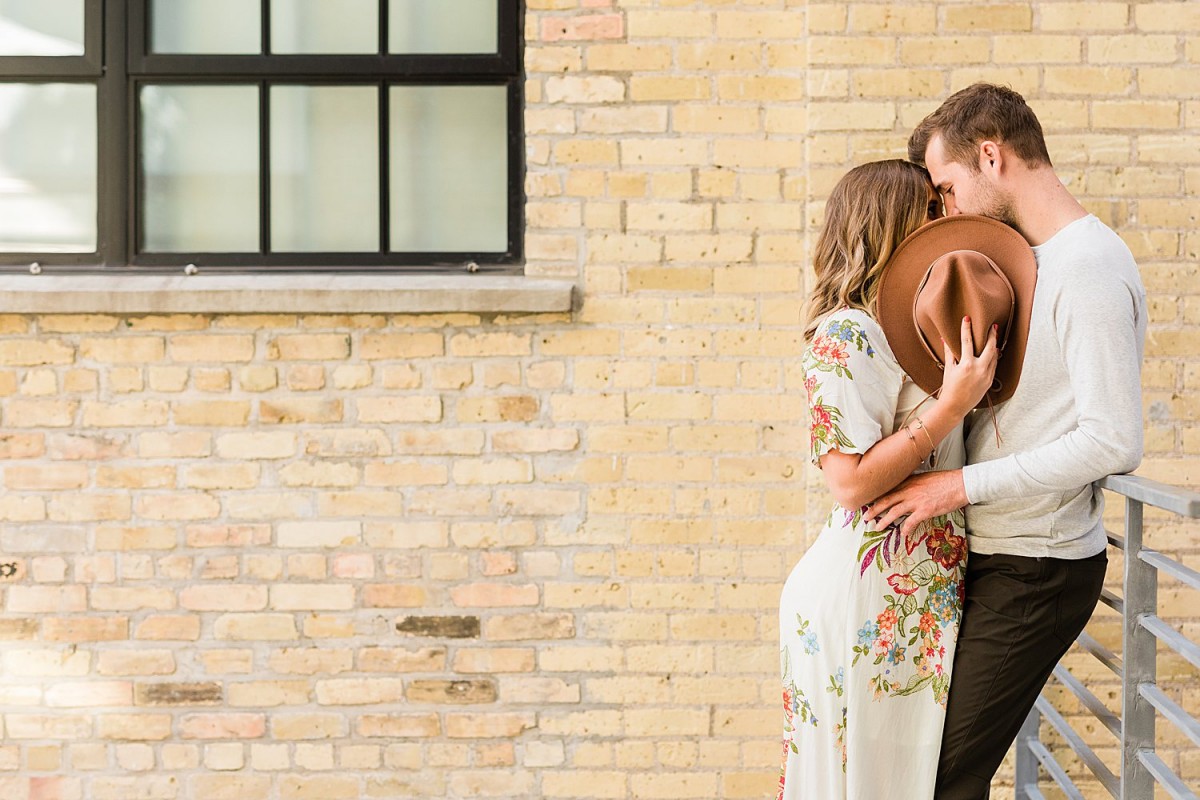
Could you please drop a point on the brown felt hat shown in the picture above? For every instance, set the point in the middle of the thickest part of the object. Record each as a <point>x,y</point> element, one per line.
<point>961,266</point>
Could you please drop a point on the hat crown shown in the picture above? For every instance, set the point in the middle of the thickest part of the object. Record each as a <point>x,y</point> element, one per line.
<point>962,283</point>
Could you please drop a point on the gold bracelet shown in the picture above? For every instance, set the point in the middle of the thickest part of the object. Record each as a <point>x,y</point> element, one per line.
<point>913,441</point>
<point>920,423</point>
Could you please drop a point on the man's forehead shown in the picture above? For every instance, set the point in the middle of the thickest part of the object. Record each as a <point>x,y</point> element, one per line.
<point>935,161</point>
<point>935,150</point>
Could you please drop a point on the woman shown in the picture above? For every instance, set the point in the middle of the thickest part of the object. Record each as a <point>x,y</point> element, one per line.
<point>868,618</point>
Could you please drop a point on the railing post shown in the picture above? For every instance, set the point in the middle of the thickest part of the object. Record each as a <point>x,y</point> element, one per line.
<point>1140,648</point>
<point>1027,763</point>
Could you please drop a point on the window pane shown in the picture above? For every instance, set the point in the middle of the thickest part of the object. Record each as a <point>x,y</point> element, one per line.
<point>41,27</point>
<point>48,168</point>
<point>324,168</point>
<point>442,26</point>
<point>324,26</point>
<point>200,168</point>
<point>449,168</point>
<point>206,26</point>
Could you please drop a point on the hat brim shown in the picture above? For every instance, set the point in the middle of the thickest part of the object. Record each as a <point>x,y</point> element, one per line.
<point>907,267</point>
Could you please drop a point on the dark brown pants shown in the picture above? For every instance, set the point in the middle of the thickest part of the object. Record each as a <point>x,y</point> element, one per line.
<point>1021,615</point>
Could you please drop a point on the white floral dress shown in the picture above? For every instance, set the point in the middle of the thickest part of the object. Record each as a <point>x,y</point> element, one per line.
<point>868,619</point>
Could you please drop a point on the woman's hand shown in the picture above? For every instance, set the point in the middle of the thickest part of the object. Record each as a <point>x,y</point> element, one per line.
<point>965,381</point>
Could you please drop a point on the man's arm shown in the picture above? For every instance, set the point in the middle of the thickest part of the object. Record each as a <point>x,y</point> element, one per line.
<point>1100,336</point>
<point>919,498</point>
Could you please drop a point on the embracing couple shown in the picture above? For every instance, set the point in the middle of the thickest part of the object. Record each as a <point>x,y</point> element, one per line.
<point>1005,336</point>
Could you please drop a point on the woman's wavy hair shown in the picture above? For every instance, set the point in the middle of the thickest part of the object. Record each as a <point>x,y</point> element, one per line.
<point>870,211</point>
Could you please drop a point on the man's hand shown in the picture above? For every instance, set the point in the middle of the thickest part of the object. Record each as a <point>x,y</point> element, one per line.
<point>920,497</point>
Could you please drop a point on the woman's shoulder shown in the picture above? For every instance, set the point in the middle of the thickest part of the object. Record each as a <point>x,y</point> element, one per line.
<point>853,329</point>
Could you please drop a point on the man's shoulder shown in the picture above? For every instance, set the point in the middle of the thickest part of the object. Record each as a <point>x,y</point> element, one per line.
<point>1090,257</point>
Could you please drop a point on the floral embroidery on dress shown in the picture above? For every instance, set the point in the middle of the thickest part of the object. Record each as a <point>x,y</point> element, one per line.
<point>907,630</point>
<point>837,685</point>
<point>808,639</point>
<point>783,768</point>
<point>829,352</point>
<point>795,705</point>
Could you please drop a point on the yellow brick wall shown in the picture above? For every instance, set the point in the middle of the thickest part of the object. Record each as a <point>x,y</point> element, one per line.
<point>538,556</point>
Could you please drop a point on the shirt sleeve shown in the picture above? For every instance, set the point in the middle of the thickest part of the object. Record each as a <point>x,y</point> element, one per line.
<point>1100,324</point>
<point>851,387</point>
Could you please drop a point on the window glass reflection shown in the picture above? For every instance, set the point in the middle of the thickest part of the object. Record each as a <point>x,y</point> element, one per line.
<point>200,168</point>
<point>47,167</point>
<point>449,168</point>
<point>41,28</point>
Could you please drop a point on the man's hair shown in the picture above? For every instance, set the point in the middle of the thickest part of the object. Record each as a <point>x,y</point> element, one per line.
<point>980,112</point>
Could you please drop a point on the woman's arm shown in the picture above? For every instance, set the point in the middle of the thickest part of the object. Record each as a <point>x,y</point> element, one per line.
<point>857,479</point>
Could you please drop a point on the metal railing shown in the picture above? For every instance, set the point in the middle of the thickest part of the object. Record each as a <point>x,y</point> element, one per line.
<point>1142,702</point>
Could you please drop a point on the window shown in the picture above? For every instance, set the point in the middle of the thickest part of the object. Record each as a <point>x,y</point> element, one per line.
<point>259,135</point>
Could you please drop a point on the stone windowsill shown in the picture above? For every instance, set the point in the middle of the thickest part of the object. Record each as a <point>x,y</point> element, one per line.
<point>282,294</point>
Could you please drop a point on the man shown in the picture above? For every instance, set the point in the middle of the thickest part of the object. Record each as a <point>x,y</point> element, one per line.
<point>1035,535</point>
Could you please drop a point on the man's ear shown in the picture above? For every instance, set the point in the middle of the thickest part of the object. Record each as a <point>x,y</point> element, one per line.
<point>990,156</point>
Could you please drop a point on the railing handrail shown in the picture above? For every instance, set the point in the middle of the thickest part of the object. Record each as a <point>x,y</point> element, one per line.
<point>1175,499</point>
<point>1142,632</point>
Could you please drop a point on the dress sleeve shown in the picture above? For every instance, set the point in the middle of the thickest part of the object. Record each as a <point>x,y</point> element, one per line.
<point>852,387</point>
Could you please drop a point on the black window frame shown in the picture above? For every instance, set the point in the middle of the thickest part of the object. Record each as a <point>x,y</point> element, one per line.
<point>121,28</point>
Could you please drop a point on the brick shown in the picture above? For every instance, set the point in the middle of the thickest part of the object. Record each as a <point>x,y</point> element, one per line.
<point>46,478</point>
<point>359,691</point>
<point>137,662</point>
<point>190,444</point>
<point>494,660</point>
<point>486,726</point>
<point>43,599</point>
<point>451,692</point>
<point>529,626</point>
<point>134,727</point>
<point>200,348</point>
<point>36,353</point>
<point>1131,49</point>
<point>439,627</point>
<point>394,596</point>
<point>312,597</point>
<point>584,90</point>
<point>494,594</point>
<point>923,51</point>
<point>398,726</point>
<point>396,659</point>
<point>273,445</point>
<point>399,409</point>
<point>1090,16</point>
<point>298,411</point>
<point>294,787</point>
<point>989,17</point>
<point>178,694</point>
<point>669,24</point>
<point>837,50</point>
<point>124,350</point>
<point>230,787</point>
<point>627,57</point>
<point>309,347</point>
<point>226,597</point>
<point>131,598</point>
<point>251,627</point>
<point>319,474</point>
<point>222,726</point>
<point>310,661</point>
<point>1170,17</point>
<point>89,694</point>
<point>164,627</point>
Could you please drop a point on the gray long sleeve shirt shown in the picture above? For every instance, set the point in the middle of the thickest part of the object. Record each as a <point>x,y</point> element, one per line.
<point>1076,415</point>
